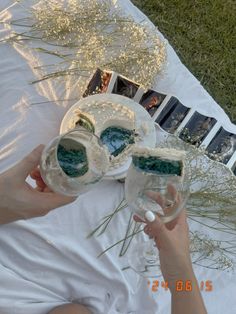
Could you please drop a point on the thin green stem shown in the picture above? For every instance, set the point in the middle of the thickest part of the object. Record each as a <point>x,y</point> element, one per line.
<point>120,241</point>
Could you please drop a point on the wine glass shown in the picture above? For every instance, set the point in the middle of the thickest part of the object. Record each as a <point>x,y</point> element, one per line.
<point>72,162</point>
<point>149,188</point>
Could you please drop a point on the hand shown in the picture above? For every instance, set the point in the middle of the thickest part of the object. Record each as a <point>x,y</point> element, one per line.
<point>71,308</point>
<point>172,241</point>
<point>18,199</point>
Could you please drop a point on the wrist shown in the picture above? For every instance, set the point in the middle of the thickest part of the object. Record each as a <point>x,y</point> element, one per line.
<point>184,282</point>
<point>183,279</point>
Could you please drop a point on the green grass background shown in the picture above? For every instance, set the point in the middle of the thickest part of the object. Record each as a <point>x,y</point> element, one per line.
<point>203,34</point>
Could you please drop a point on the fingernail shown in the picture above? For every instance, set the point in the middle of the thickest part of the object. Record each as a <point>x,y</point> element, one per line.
<point>150,216</point>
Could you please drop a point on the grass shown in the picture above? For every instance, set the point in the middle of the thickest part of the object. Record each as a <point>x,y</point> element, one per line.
<point>203,34</point>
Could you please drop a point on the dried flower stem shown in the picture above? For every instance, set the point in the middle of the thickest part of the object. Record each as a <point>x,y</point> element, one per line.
<point>98,34</point>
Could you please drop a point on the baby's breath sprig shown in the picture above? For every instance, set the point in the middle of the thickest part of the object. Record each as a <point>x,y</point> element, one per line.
<point>211,253</point>
<point>212,204</point>
<point>91,34</point>
<point>101,228</point>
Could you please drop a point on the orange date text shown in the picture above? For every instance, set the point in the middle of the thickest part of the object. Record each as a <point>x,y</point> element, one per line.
<point>180,285</point>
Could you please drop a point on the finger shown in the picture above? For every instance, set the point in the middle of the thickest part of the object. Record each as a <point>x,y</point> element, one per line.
<point>157,229</point>
<point>40,183</point>
<point>22,169</point>
<point>170,200</point>
<point>179,221</point>
<point>172,190</point>
<point>39,189</point>
<point>154,223</point>
<point>160,200</point>
<point>172,208</point>
<point>178,201</point>
<point>47,190</point>
<point>138,219</point>
<point>157,197</point>
<point>182,218</point>
<point>44,189</point>
<point>149,233</point>
<point>166,207</point>
<point>146,229</point>
<point>35,174</point>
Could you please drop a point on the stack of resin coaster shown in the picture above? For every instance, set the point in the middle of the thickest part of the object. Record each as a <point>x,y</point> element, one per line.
<point>172,116</point>
<point>118,122</point>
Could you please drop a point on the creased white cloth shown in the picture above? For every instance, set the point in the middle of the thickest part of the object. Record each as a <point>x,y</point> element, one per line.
<point>45,262</point>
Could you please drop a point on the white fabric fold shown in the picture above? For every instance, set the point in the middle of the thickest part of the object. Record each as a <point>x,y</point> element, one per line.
<point>48,261</point>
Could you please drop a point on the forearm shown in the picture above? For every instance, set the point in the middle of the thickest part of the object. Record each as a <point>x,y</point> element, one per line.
<point>185,302</point>
<point>70,309</point>
<point>7,216</point>
<point>9,209</point>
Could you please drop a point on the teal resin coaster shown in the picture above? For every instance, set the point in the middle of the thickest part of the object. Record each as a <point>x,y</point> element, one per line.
<point>73,161</point>
<point>157,165</point>
<point>117,139</point>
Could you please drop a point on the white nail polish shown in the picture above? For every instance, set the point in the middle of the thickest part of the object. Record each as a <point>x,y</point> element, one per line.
<point>150,216</point>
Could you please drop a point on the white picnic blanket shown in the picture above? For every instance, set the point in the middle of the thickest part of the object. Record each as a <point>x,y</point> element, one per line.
<point>45,262</point>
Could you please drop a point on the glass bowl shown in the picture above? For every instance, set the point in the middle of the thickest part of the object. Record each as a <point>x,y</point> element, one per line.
<point>72,162</point>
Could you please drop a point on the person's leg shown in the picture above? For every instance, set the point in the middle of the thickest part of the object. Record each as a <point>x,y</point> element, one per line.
<point>70,309</point>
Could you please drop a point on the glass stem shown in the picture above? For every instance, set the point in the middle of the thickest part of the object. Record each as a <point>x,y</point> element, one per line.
<point>151,252</point>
